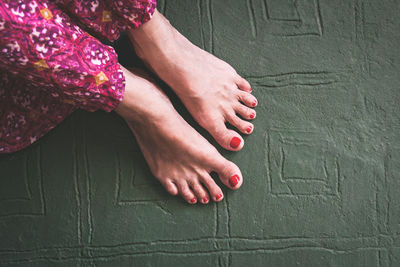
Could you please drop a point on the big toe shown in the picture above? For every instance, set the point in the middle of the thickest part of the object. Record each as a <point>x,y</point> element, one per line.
<point>229,174</point>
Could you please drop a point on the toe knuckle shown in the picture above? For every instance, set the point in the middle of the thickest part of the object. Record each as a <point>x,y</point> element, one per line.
<point>172,191</point>
<point>207,181</point>
<point>230,114</point>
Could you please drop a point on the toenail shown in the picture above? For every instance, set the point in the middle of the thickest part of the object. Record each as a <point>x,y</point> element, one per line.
<point>205,200</point>
<point>234,180</point>
<point>252,115</point>
<point>219,196</point>
<point>235,142</point>
<point>194,200</point>
<point>249,129</point>
<point>251,90</point>
<point>255,103</point>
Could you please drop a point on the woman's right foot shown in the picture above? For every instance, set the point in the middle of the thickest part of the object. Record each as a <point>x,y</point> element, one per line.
<point>210,88</point>
<point>178,156</point>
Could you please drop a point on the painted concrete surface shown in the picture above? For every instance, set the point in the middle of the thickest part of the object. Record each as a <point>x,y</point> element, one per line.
<point>321,170</point>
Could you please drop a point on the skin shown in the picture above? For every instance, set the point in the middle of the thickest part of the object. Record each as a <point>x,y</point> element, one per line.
<point>178,156</point>
<point>210,88</point>
<point>212,91</point>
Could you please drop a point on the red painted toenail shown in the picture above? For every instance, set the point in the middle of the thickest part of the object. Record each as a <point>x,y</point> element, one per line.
<point>235,142</point>
<point>234,180</point>
<point>194,200</point>
<point>219,196</point>
<point>252,115</point>
<point>205,200</point>
<point>255,103</point>
<point>249,129</point>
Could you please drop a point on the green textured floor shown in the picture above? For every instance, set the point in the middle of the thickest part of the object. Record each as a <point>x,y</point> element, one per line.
<point>322,169</point>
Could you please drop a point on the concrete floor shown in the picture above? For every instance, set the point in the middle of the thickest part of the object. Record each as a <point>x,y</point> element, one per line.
<point>322,169</point>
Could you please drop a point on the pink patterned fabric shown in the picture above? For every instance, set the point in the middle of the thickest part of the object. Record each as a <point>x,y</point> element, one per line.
<point>107,17</point>
<point>49,66</point>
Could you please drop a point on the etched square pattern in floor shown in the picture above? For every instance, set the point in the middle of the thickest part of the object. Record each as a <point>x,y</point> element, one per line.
<point>321,169</point>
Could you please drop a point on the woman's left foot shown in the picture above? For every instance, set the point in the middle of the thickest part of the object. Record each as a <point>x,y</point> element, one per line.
<point>178,156</point>
<point>210,88</point>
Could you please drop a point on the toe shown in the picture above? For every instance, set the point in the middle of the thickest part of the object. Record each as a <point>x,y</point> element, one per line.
<point>248,99</point>
<point>214,190</point>
<point>243,126</point>
<point>243,84</point>
<point>228,139</point>
<point>229,174</point>
<point>169,186</point>
<point>245,112</point>
<point>186,193</point>
<point>200,192</point>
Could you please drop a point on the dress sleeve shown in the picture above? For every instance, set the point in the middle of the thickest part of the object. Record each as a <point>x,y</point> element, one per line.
<point>40,44</point>
<point>107,17</point>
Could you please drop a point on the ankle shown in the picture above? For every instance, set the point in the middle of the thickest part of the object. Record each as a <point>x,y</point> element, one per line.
<point>139,105</point>
<point>154,35</point>
<point>156,40</point>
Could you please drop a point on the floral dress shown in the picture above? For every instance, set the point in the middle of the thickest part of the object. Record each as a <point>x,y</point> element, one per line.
<point>50,65</point>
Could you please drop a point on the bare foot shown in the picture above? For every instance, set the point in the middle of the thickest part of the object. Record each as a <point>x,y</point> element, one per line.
<point>178,156</point>
<point>210,88</point>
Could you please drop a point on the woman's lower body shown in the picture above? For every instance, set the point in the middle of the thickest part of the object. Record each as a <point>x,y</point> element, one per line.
<point>179,157</point>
